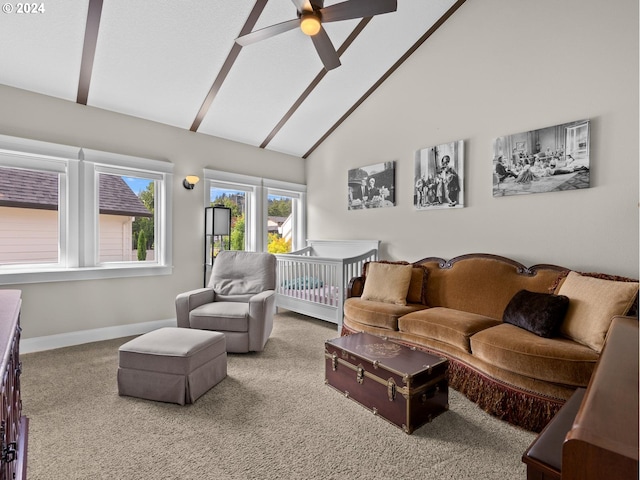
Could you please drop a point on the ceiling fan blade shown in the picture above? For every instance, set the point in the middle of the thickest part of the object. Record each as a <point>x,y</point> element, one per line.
<point>325,50</point>
<point>268,32</point>
<point>357,9</point>
<point>302,5</point>
<point>317,4</point>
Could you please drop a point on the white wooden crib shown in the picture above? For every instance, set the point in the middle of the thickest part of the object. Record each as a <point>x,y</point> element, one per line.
<point>313,281</point>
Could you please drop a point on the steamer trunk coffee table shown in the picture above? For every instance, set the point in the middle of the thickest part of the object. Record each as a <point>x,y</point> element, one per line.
<point>405,386</point>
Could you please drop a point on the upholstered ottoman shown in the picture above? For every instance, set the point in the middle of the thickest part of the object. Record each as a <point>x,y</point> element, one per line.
<point>176,365</point>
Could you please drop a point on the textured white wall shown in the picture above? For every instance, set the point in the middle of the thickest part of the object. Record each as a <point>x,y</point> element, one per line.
<point>53,308</point>
<point>499,67</point>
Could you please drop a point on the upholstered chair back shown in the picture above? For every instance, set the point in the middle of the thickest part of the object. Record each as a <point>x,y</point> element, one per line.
<point>238,275</point>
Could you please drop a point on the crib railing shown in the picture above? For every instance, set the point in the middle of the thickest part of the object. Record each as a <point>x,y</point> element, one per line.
<point>320,280</point>
<point>309,278</point>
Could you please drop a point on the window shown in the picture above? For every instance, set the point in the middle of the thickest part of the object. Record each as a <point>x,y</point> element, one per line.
<point>72,214</point>
<point>29,216</point>
<point>126,222</point>
<point>236,200</point>
<point>285,216</point>
<point>267,215</point>
<point>36,206</point>
<point>279,235</point>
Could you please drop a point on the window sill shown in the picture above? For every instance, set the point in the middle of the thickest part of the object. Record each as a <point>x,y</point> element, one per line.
<point>74,274</point>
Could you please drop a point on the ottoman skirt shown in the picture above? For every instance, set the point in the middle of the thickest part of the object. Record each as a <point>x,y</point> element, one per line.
<point>176,365</point>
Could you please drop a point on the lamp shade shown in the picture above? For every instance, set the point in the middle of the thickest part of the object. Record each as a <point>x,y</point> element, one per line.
<point>217,221</point>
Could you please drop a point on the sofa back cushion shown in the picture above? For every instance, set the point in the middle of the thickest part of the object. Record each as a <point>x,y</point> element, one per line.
<point>482,283</point>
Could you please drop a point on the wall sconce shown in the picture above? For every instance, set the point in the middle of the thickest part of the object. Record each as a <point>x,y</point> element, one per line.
<point>190,181</point>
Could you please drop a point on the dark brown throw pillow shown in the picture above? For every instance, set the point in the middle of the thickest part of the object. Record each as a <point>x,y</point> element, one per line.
<point>539,313</point>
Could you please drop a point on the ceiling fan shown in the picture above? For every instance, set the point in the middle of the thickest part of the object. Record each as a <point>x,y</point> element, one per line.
<point>312,14</point>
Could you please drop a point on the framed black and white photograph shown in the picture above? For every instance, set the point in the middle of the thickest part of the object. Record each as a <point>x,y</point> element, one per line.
<point>545,160</point>
<point>372,186</point>
<point>439,177</point>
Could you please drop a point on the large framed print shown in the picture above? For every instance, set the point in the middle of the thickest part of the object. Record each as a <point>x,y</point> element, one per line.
<point>545,160</point>
<point>439,176</point>
<point>372,186</point>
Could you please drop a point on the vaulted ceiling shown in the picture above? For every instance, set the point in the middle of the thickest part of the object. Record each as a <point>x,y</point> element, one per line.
<point>177,62</point>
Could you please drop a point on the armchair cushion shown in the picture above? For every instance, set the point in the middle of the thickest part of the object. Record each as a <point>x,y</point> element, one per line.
<point>221,316</point>
<point>243,273</point>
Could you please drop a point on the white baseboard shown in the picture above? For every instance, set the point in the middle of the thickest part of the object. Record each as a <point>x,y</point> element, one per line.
<point>49,342</point>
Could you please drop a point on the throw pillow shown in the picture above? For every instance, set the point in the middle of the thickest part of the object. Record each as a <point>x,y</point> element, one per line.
<point>539,313</point>
<point>387,283</point>
<point>417,292</point>
<point>592,304</point>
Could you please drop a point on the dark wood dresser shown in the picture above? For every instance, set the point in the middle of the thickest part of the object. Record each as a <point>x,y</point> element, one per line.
<point>595,434</point>
<point>13,425</point>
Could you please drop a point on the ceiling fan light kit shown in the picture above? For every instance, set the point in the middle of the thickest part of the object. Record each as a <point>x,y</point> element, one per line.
<point>310,24</point>
<point>311,15</point>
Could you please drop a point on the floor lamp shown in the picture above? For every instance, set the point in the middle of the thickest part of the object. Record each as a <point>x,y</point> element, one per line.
<point>217,224</point>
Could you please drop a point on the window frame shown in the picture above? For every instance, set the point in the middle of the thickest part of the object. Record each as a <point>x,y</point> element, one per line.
<point>64,168</point>
<point>256,213</point>
<point>296,192</point>
<point>78,213</point>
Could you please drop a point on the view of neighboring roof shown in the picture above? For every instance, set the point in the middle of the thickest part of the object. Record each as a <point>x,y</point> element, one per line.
<point>32,189</point>
<point>117,198</point>
<point>28,189</point>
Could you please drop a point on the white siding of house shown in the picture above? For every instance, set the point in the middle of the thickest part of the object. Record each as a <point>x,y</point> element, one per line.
<point>115,238</point>
<point>28,235</point>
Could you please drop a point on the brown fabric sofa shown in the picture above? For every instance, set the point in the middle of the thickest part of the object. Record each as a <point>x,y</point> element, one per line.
<point>456,309</point>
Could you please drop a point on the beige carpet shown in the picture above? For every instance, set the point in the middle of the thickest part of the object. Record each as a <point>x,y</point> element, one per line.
<point>271,418</point>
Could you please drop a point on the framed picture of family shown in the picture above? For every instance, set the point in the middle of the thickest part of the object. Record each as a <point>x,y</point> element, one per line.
<point>373,186</point>
<point>545,160</point>
<point>439,177</point>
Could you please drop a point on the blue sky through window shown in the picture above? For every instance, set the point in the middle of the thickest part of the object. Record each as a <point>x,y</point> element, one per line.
<point>137,184</point>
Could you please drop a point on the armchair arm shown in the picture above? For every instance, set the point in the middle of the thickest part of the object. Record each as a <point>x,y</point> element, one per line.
<point>187,301</point>
<point>261,309</point>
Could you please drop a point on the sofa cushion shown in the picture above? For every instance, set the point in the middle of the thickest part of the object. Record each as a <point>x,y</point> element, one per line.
<point>387,283</point>
<point>453,327</point>
<point>593,302</point>
<point>417,292</point>
<point>377,314</point>
<point>539,313</point>
<point>558,360</point>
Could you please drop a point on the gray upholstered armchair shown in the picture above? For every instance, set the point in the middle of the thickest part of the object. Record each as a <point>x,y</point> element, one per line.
<point>239,300</point>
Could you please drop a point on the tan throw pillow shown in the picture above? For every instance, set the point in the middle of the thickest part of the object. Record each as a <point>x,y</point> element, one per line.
<point>387,283</point>
<point>592,304</point>
<point>417,292</point>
